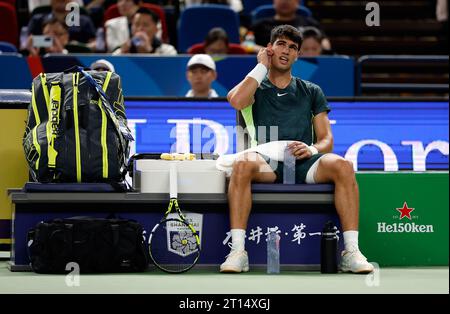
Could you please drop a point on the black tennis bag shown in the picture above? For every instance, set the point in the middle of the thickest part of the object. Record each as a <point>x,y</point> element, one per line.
<point>96,245</point>
<point>76,129</point>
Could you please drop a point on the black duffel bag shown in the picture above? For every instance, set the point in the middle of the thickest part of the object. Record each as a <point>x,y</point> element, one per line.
<point>96,245</point>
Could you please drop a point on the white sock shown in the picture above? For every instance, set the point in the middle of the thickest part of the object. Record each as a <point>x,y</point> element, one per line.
<point>351,240</point>
<point>238,239</point>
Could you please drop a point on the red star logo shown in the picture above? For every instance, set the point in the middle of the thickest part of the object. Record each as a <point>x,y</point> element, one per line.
<point>405,211</point>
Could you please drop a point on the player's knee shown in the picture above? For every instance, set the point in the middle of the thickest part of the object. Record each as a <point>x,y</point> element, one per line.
<point>243,169</point>
<point>344,169</point>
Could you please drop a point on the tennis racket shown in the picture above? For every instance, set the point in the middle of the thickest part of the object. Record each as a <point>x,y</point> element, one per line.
<point>174,244</point>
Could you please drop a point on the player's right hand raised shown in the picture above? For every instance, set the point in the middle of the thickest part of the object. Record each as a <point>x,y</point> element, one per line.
<point>265,57</point>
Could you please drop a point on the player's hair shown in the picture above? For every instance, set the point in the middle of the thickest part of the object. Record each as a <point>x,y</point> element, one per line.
<point>154,16</point>
<point>286,31</point>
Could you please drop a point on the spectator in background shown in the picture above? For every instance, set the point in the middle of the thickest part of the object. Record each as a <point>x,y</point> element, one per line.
<point>118,29</point>
<point>59,34</point>
<point>201,73</point>
<point>102,65</point>
<point>235,5</point>
<point>285,13</point>
<point>312,42</point>
<point>84,33</point>
<point>143,40</point>
<point>216,43</point>
<point>128,8</point>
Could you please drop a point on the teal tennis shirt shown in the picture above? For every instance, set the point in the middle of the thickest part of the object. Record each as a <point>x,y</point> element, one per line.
<point>284,114</point>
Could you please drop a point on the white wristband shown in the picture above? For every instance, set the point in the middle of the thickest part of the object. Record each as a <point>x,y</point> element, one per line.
<point>259,72</point>
<point>313,150</point>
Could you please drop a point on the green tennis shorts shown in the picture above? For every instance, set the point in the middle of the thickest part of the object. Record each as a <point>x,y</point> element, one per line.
<point>301,167</point>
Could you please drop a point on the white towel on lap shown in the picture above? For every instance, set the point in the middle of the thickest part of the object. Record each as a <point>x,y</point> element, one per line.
<point>274,150</point>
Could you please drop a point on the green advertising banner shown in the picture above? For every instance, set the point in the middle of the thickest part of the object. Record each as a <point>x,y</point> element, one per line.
<point>404,218</point>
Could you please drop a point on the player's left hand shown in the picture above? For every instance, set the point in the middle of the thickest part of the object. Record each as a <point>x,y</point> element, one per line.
<point>300,150</point>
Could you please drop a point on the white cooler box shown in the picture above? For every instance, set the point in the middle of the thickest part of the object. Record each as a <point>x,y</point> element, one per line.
<point>194,176</point>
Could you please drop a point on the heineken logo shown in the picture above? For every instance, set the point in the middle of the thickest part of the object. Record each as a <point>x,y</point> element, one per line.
<point>404,227</point>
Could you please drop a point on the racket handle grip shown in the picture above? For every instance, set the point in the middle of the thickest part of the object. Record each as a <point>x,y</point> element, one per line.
<point>173,184</point>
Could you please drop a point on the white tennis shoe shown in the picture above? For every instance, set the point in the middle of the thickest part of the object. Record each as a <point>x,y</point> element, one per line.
<point>355,262</point>
<point>236,262</point>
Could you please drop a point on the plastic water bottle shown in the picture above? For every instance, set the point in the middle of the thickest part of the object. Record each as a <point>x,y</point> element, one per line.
<point>288,167</point>
<point>328,249</point>
<point>273,252</point>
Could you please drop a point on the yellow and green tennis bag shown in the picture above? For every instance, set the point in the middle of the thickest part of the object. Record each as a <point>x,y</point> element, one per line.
<point>77,128</point>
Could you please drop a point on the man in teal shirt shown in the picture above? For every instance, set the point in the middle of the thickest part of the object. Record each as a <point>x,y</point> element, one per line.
<point>270,97</point>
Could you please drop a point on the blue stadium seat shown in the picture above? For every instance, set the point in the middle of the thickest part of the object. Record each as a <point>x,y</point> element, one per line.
<point>265,11</point>
<point>250,5</point>
<point>7,47</point>
<point>196,21</point>
<point>15,71</point>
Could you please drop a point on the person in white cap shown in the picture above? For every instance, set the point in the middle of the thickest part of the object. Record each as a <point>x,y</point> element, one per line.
<point>201,72</point>
<point>102,65</point>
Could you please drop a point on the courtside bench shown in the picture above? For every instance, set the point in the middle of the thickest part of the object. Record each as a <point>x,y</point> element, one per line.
<point>299,212</point>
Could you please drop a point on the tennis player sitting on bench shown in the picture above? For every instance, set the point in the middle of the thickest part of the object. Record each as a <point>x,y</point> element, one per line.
<point>298,108</point>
